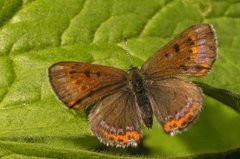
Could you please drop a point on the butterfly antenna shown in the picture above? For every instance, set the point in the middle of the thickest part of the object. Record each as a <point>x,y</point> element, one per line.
<point>127,52</point>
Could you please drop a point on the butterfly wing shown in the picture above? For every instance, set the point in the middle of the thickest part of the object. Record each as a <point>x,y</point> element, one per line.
<point>175,103</point>
<point>78,84</point>
<point>192,53</point>
<point>116,120</point>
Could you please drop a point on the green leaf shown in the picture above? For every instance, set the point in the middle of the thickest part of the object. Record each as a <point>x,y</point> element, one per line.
<point>34,34</point>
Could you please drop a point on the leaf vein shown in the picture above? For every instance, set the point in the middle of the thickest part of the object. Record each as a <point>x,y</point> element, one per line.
<point>152,17</point>
<point>70,21</point>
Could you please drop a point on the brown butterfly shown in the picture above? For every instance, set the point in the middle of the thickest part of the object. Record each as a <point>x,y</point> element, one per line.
<point>125,100</point>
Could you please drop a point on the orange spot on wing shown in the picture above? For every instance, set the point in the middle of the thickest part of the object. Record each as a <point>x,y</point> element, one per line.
<point>125,138</point>
<point>201,72</point>
<point>193,38</point>
<point>204,69</point>
<point>184,121</point>
<point>135,135</point>
<point>72,103</point>
<point>77,106</point>
<point>204,65</point>
<point>195,50</point>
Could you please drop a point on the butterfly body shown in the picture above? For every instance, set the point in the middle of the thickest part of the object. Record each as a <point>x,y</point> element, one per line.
<point>127,99</point>
<point>141,99</point>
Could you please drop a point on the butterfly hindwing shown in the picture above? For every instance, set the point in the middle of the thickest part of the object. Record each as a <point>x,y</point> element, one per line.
<point>175,103</point>
<point>78,84</point>
<point>116,120</point>
<point>192,53</point>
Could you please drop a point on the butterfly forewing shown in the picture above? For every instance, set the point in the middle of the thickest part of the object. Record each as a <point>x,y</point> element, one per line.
<point>192,53</point>
<point>175,103</point>
<point>116,120</point>
<point>78,84</point>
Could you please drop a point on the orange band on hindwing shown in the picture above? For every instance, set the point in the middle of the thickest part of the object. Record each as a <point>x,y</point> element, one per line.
<point>174,125</point>
<point>121,140</point>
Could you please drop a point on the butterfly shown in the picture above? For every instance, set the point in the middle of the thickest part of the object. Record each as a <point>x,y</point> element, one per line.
<point>125,100</point>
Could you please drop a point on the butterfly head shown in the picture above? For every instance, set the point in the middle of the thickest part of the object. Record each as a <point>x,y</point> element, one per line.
<point>135,73</point>
<point>132,69</point>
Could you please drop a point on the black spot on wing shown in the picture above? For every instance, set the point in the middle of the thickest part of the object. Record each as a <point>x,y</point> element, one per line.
<point>176,48</point>
<point>87,73</point>
<point>190,41</point>
<point>98,74</point>
<point>72,71</point>
<point>166,55</point>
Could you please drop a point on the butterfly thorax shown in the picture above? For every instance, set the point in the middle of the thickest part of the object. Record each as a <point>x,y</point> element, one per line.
<point>137,82</point>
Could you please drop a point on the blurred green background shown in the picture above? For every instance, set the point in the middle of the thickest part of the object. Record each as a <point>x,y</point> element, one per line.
<point>34,34</point>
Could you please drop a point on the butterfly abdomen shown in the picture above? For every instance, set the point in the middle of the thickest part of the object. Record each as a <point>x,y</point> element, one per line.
<point>141,97</point>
